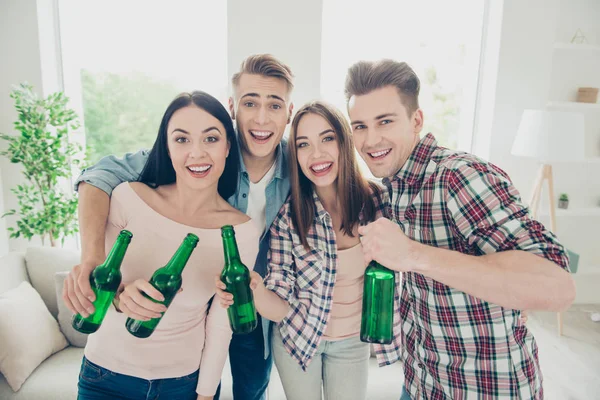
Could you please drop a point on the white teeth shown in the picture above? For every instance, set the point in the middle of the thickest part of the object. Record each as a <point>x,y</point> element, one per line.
<point>320,167</point>
<point>261,134</point>
<point>379,153</point>
<point>199,169</point>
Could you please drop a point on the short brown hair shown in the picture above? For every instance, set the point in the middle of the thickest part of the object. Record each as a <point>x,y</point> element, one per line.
<point>265,65</point>
<point>366,76</point>
<point>354,189</point>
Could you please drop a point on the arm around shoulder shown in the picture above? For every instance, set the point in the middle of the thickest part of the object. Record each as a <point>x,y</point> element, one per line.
<point>111,171</point>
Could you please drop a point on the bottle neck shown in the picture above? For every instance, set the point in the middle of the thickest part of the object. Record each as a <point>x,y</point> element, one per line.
<point>179,260</point>
<point>376,266</point>
<point>117,253</point>
<point>230,250</point>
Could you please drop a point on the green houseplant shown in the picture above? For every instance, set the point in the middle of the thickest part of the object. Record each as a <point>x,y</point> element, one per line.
<point>43,149</point>
<point>563,201</point>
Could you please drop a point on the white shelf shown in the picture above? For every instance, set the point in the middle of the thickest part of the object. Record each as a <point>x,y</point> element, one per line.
<point>573,212</point>
<point>573,105</point>
<point>590,160</point>
<point>578,212</point>
<point>593,270</point>
<point>578,47</point>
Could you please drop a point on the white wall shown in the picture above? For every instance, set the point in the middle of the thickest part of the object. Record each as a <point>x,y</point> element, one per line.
<point>28,44</point>
<point>524,71</point>
<point>529,74</point>
<point>571,70</point>
<point>526,76</point>
<point>579,14</point>
<point>580,180</point>
<point>291,31</point>
<point>20,49</point>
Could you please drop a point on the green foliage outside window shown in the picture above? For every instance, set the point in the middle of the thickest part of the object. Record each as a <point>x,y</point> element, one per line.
<point>122,113</point>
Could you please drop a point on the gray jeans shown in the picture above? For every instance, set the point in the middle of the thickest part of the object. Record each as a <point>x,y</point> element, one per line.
<point>339,369</point>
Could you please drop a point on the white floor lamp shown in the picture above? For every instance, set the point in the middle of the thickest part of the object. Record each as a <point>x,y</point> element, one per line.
<point>549,136</point>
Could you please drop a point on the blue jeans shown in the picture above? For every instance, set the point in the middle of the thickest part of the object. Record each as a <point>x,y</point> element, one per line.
<point>404,395</point>
<point>97,383</point>
<point>249,369</point>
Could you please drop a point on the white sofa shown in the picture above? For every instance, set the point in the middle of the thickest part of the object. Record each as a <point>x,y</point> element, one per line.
<point>56,377</point>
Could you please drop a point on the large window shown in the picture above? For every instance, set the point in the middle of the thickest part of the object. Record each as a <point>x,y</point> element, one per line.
<point>441,40</point>
<point>124,61</point>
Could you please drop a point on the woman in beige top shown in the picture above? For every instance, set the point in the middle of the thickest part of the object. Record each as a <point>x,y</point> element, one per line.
<point>191,170</point>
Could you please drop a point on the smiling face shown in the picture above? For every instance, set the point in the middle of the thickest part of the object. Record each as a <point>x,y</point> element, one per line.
<point>384,133</point>
<point>262,110</point>
<point>198,146</point>
<point>317,150</point>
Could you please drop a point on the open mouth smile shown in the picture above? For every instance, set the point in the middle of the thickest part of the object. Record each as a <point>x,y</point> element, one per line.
<point>199,171</point>
<point>261,136</point>
<point>378,155</point>
<point>321,169</point>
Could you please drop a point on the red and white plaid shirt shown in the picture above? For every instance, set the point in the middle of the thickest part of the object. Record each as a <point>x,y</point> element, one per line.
<point>456,346</point>
<point>306,280</point>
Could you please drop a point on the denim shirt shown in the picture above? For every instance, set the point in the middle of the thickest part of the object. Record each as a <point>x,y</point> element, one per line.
<point>111,171</point>
<point>276,193</point>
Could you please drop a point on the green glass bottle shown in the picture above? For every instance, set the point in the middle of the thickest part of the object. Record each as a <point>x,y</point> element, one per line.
<point>378,305</point>
<point>235,275</point>
<point>104,280</point>
<point>167,280</point>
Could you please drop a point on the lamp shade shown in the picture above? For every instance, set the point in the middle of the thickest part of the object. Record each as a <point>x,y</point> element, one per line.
<point>550,136</point>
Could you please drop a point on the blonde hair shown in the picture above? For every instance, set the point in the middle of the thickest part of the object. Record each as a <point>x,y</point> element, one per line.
<point>365,76</point>
<point>265,65</point>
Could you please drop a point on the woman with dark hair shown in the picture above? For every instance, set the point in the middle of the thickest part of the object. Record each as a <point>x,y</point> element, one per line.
<point>191,170</point>
<point>314,285</point>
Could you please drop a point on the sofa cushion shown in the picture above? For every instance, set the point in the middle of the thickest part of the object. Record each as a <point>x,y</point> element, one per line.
<point>28,334</point>
<point>55,379</point>
<point>65,315</point>
<point>13,271</point>
<point>42,264</point>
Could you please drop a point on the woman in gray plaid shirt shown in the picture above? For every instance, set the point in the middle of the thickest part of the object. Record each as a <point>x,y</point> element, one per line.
<point>313,289</point>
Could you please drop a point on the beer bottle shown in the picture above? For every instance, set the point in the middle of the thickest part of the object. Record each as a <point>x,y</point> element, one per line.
<point>167,280</point>
<point>104,280</point>
<point>378,304</point>
<point>235,275</point>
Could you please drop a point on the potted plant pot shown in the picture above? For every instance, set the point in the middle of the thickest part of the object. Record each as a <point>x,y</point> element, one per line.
<point>563,201</point>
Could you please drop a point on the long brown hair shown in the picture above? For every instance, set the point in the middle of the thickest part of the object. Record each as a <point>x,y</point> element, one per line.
<point>354,190</point>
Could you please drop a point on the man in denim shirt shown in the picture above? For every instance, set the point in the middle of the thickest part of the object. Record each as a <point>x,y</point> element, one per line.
<point>262,108</point>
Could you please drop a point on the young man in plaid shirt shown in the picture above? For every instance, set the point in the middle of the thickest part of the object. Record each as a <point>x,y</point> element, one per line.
<point>470,254</point>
